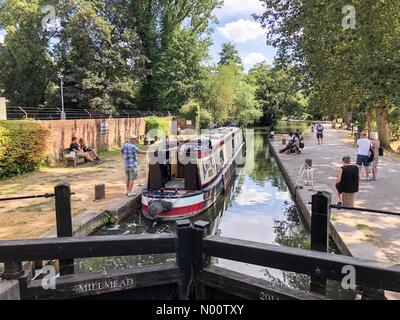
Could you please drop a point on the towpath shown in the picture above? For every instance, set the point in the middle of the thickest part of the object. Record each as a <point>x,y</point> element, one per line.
<point>366,235</point>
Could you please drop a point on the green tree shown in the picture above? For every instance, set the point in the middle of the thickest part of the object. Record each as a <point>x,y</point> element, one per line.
<point>101,64</point>
<point>26,66</point>
<point>277,92</point>
<point>248,110</point>
<point>229,55</point>
<point>178,73</point>
<point>220,93</point>
<point>158,24</point>
<point>344,69</point>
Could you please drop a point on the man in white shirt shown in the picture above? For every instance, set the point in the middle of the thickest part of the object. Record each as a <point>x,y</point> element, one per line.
<point>364,147</point>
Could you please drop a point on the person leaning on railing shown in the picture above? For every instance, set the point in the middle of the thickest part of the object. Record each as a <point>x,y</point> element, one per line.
<point>130,150</point>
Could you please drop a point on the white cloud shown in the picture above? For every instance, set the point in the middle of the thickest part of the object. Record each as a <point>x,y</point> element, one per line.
<point>254,58</point>
<point>1,38</point>
<point>234,8</point>
<point>242,31</point>
<point>253,196</point>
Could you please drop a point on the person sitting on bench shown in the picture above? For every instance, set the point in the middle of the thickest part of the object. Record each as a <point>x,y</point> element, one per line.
<point>74,147</point>
<point>86,149</point>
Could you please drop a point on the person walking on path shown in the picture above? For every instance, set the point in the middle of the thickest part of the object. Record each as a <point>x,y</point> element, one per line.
<point>347,182</point>
<point>130,151</point>
<point>320,133</point>
<point>375,148</point>
<point>364,152</point>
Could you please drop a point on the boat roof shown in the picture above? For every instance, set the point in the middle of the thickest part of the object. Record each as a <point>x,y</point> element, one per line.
<point>214,135</point>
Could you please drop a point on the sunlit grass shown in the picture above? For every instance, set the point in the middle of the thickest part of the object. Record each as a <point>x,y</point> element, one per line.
<point>36,207</point>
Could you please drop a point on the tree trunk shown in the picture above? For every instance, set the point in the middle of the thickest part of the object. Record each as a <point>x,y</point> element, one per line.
<point>369,120</point>
<point>383,126</point>
<point>347,118</point>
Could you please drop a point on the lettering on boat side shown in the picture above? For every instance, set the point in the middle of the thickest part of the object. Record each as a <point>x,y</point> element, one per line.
<point>103,285</point>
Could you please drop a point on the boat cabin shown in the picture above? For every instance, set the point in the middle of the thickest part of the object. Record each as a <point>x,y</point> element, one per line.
<point>193,164</point>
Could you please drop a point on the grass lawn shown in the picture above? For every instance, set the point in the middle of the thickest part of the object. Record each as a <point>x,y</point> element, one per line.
<point>24,219</point>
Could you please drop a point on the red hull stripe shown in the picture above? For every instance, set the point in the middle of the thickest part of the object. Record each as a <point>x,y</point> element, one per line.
<point>180,210</point>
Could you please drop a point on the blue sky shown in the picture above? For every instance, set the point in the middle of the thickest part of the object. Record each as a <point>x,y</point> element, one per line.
<point>237,25</point>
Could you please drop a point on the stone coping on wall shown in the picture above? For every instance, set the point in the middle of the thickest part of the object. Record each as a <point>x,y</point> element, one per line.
<point>88,222</point>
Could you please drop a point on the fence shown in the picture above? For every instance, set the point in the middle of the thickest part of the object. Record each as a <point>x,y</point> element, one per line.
<point>191,276</point>
<point>18,113</point>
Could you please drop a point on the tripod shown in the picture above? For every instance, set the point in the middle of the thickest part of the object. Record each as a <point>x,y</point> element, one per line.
<point>306,169</point>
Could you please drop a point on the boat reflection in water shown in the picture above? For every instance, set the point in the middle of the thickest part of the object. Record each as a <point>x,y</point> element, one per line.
<point>256,207</point>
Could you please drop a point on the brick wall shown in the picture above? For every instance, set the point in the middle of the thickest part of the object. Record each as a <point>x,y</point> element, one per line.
<point>119,130</point>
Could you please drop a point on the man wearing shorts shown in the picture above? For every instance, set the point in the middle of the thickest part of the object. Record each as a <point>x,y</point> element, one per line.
<point>129,150</point>
<point>320,133</point>
<point>364,147</point>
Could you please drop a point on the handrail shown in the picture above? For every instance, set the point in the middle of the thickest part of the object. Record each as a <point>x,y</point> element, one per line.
<point>368,273</point>
<point>339,207</point>
<point>87,247</point>
<point>46,195</point>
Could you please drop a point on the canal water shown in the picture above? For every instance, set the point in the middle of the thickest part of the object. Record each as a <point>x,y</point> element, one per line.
<point>258,207</point>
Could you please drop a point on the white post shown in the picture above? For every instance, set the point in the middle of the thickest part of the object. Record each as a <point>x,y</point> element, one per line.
<point>63,115</point>
<point>90,115</point>
<point>126,113</point>
<point>3,109</point>
<point>26,114</point>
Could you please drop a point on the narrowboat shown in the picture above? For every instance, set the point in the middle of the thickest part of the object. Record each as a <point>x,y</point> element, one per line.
<point>186,177</point>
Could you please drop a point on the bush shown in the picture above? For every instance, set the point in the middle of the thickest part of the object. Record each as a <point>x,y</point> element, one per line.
<point>155,123</point>
<point>205,119</point>
<point>192,111</point>
<point>23,147</point>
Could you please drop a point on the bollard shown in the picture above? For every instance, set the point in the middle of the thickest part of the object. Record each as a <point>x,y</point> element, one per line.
<point>320,220</point>
<point>184,257</point>
<point>200,261</point>
<point>64,221</point>
<point>99,192</point>
<point>348,200</point>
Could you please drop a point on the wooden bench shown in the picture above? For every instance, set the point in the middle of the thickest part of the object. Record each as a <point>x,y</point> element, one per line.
<point>71,160</point>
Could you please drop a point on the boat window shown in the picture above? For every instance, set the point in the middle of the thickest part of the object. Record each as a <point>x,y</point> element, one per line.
<point>213,164</point>
<point>208,170</point>
<point>221,158</point>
